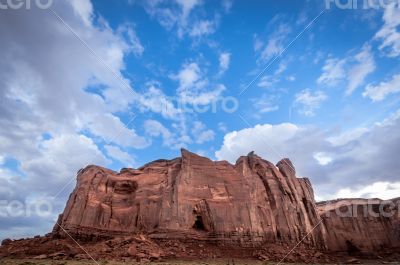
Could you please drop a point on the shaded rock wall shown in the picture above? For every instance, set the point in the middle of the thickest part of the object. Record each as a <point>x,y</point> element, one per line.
<point>248,203</point>
<point>251,203</point>
<point>354,225</point>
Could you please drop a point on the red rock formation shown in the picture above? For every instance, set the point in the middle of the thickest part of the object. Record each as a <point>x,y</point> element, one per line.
<point>248,203</point>
<point>193,207</point>
<point>354,225</point>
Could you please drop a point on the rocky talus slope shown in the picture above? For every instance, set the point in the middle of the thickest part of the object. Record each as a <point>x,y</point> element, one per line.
<point>194,207</point>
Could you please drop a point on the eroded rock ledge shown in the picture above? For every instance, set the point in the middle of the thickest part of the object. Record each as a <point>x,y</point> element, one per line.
<point>251,205</point>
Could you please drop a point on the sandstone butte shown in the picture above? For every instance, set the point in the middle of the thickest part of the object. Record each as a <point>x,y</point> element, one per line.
<point>192,207</point>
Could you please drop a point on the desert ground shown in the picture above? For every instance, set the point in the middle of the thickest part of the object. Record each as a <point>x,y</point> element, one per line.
<point>176,262</point>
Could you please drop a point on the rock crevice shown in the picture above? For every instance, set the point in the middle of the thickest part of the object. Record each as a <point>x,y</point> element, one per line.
<point>250,203</point>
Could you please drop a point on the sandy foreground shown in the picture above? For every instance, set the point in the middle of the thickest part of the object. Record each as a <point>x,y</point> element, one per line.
<point>175,262</point>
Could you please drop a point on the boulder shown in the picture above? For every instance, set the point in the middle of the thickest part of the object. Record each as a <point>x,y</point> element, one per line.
<point>43,256</point>
<point>132,251</point>
<point>6,241</point>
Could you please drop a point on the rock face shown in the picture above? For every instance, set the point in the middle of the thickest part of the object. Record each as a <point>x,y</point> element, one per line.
<point>249,203</point>
<point>355,225</point>
<point>192,207</point>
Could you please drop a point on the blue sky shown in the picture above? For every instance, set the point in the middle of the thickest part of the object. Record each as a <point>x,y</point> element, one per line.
<point>121,84</point>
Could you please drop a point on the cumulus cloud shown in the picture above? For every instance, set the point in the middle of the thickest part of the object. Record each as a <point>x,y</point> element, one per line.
<point>180,136</point>
<point>201,134</point>
<point>154,100</point>
<point>49,175</point>
<point>194,87</point>
<point>84,10</point>
<point>55,159</point>
<point>116,153</point>
<point>155,128</point>
<point>381,189</point>
<point>353,164</point>
<point>49,123</point>
<point>382,90</point>
<point>308,102</point>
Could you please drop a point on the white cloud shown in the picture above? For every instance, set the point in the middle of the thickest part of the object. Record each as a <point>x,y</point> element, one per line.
<point>201,134</point>
<point>179,137</point>
<point>187,6</point>
<point>354,69</point>
<point>308,102</point>
<point>203,27</point>
<point>382,90</point>
<point>111,129</point>
<point>281,68</point>
<point>193,86</point>
<point>84,9</point>
<point>224,61</point>
<point>267,81</point>
<point>275,43</point>
<point>291,78</point>
<point>383,190</point>
<point>227,5</point>
<point>347,137</point>
<point>257,43</point>
<point>155,100</point>
<point>178,15</point>
<point>36,100</point>
<point>359,162</point>
<point>155,128</point>
<point>365,64</point>
<point>47,173</point>
<point>57,161</point>
<point>389,34</point>
<point>116,153</point>
<point>265,103</point>
<point>135,45</point>
<point>222,127</point>
<point>323,158</point>
<point>263,136</point>
<point>333,72</point>
<point>174,16</point>
<point>188,76</point>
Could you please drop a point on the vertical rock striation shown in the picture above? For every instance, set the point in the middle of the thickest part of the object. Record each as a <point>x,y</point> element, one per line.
<point>251,203</point>
<point>248,203</point>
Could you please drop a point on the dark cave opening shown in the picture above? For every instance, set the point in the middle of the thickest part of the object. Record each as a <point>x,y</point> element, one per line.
<point>199,224</point>
<point>351,248</point>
